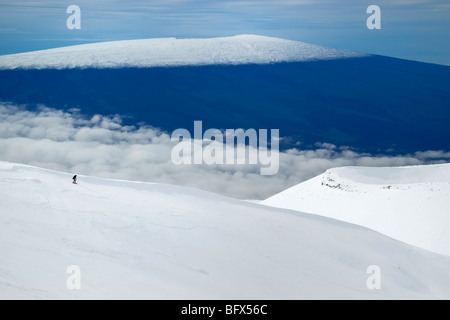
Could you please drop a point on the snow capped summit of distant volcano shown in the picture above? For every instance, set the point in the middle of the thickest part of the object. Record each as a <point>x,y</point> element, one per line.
<point>165,52</point>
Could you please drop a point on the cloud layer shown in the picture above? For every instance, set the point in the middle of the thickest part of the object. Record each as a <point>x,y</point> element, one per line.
<point>102,146</point>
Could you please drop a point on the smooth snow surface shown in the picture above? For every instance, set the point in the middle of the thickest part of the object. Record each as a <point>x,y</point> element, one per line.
<point>164,52</point>
<point>411,204</point>
<point>151,241</point>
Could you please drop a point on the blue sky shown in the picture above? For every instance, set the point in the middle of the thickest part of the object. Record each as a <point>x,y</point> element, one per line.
<point>410,29</point>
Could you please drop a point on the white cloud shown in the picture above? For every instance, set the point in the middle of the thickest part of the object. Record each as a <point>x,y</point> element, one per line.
<point>102,146</point>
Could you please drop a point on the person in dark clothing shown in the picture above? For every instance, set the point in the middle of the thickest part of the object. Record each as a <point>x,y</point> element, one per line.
<point>74,179</point>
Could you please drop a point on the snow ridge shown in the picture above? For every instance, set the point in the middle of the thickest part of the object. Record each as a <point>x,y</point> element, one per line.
<point>409,204</point>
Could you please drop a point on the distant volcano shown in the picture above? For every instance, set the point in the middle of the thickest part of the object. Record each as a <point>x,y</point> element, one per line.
<point>312,94</point>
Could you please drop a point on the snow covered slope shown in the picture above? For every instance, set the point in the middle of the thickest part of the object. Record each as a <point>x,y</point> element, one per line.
<point>411,204</point>
<point>242,49</point>
<point>144,240</point>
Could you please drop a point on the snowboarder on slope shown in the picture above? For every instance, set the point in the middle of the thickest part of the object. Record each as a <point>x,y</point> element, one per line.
<point>74,179</point>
